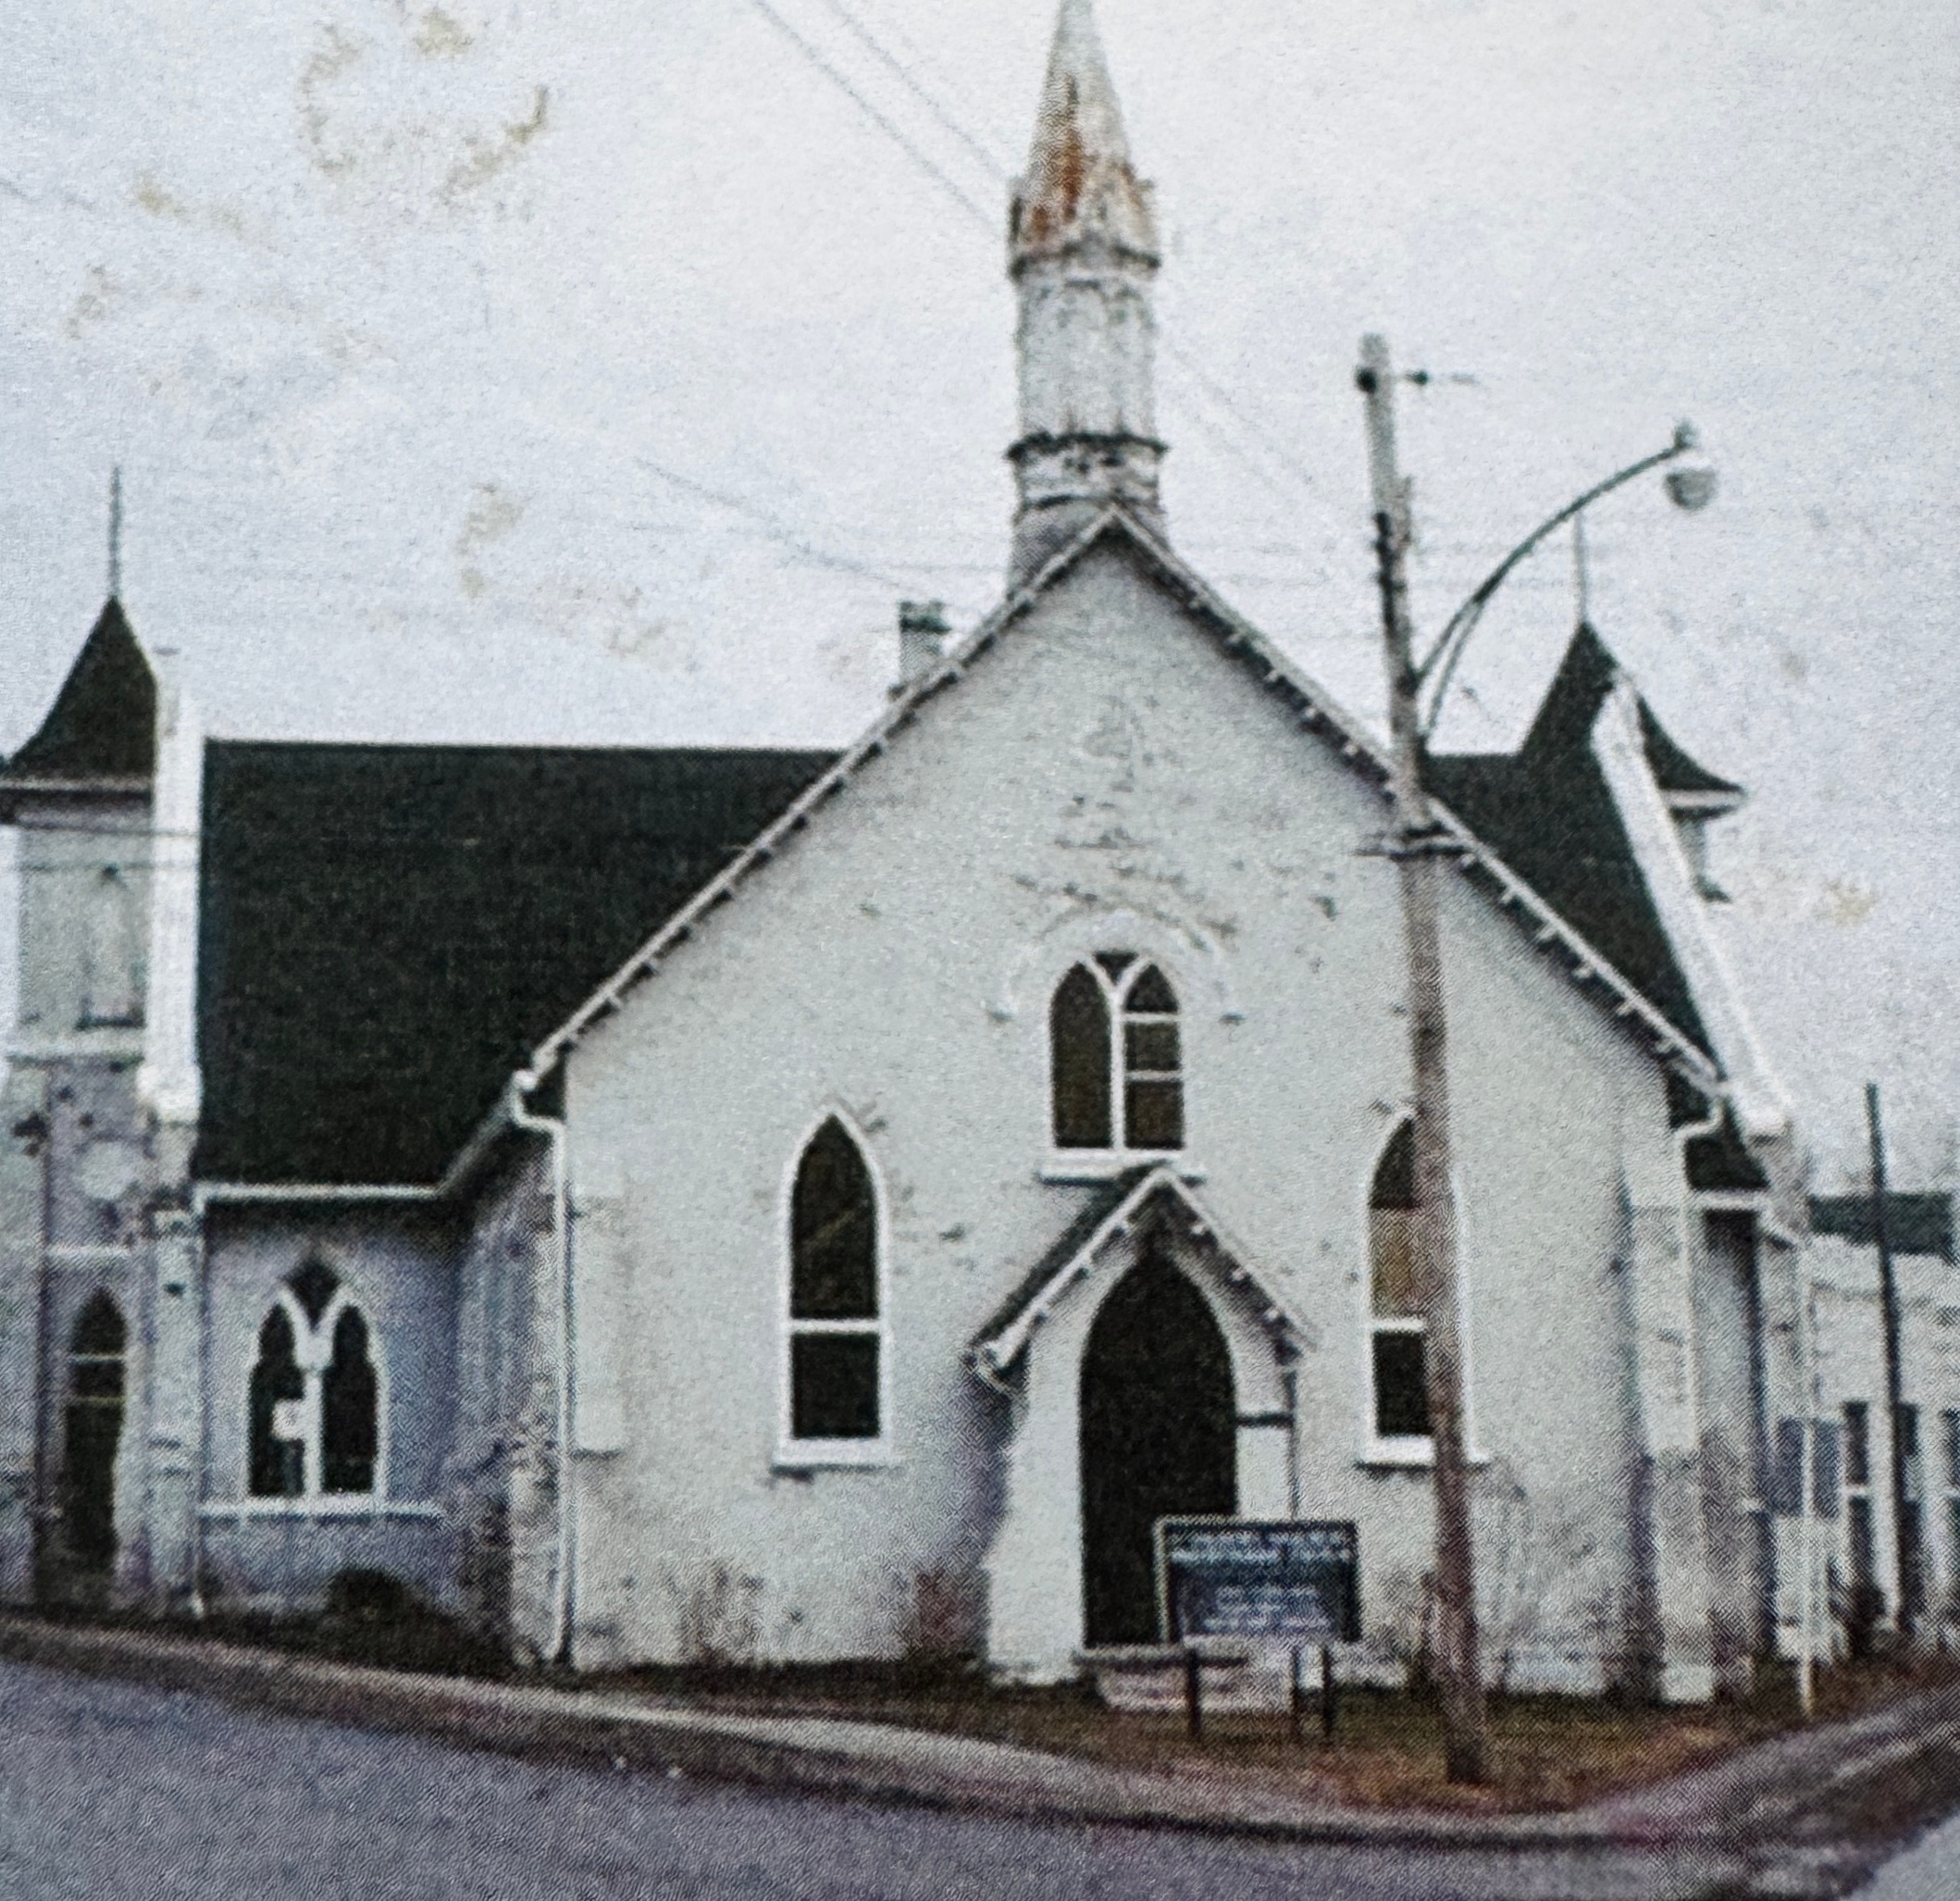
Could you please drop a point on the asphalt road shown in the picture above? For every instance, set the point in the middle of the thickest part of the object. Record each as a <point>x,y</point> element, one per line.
<point>108,1790</point>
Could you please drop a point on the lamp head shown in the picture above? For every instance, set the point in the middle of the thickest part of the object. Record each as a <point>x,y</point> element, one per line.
<point>1690,485</point>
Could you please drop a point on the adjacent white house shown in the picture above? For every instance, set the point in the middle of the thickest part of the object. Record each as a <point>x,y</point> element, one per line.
<point>771,1205</point>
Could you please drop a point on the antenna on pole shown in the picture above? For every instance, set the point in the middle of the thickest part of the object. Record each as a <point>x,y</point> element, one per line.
<point>116,532</point>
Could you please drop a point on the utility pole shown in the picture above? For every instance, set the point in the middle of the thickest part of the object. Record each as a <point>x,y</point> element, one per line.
<point>1905,1533</point>
<point>1459,1666</point>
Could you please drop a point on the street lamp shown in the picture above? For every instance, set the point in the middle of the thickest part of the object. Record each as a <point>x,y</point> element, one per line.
<point>1417,839</point>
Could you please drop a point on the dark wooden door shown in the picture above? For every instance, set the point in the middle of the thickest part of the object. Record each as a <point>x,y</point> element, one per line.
<point>92,1426</point>
<point>1159,1440</point>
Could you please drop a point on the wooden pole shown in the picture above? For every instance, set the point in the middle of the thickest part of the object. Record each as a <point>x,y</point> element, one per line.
<point>1459,1668</point>
<point>1904,1538</point>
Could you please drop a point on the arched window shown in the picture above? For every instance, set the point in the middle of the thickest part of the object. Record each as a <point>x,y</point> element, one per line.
<point>349,1413</point>
<point>315,1398</point>
<point>1117,1092</point>
<point>111,953</point>
<point>94,1427</point>
<point>278,1433</point>
<point>835,1332</point>
<point>1399,1362</point>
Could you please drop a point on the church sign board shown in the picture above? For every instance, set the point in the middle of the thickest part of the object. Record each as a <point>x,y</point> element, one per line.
<point>1288,1580</point>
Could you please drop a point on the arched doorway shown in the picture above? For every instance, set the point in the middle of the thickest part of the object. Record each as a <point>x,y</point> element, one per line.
<point>1158,1439</point>
<point>92,1427</point>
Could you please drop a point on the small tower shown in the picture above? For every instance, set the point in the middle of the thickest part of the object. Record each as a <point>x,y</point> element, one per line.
<point>1082,250</point>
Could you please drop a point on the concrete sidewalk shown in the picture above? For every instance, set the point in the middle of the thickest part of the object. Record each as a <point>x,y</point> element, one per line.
<point>1803,1814</point>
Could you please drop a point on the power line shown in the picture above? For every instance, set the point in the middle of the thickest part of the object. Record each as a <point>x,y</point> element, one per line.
<point>1205,383</point>
<point>865,106</point>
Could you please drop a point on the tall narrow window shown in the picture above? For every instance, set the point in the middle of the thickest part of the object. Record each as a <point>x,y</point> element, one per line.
<point>1912,1527</point>
<point>111,953</point>
<point>834,1323</point>
<point>1398,1359</point>
<point>1079,1055</point>
<point>278,1431</point>
<point>1950,1473</point>
<point>1862,1552</point>
<point>348,1409</point>
<point>1109,1090</point>
<point>94,1427</point>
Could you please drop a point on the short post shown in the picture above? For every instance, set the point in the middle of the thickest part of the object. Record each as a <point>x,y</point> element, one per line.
<point>1194,1695</point>
<point>1297,1698</point>
<point>1329,1707</point>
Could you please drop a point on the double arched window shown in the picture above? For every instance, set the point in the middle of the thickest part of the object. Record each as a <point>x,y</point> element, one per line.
<point>93,1426</point>
<point>836,1333</point>
<point>1115,1061</point>
<point>314,1395</point>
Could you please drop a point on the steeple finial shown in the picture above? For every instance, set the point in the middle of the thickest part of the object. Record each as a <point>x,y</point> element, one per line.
<point>1082,250</point>
<point>116,532</point>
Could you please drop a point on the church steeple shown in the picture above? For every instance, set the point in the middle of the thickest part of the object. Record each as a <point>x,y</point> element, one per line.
<point>1082,250</point>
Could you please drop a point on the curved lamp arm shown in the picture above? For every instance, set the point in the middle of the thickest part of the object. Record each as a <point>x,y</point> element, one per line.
<point>1451,642</point>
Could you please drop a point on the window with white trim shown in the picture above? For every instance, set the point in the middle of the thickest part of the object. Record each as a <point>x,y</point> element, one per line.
<point>835,1341</point>
<point>314,1399</point>
<point>1115,1058</point>
<point>1397,1334</point>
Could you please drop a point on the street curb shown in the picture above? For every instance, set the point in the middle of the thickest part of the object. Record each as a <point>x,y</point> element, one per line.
<point>873,1764</point>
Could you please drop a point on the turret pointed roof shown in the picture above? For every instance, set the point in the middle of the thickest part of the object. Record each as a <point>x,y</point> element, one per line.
<point>1079,182</point>
<point>102,724</point>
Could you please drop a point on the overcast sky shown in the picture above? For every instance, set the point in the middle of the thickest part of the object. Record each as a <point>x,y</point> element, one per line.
<point>579,371</point>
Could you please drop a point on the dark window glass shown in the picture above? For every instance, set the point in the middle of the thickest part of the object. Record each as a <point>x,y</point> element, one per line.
<point>93,1424</point>
<point>834,1232</point>
<point>349,1395</point>
<point>312,1288</point>
<point>1394,1182</point>
<point>1908,1430</point>
<point>1116,963</point>
<point>1152,995</point>
<point>1864,1560</point>
<point>834,1386</point>
<point>1827,1469</point>
<point>1401,1396</point>
<point>278,1464</point>
<point>1150,1046</point>
<point>1079,1058</point>
<point>1911,1550</point>
<point>1857,1442</point>
<point>1155,1114</point>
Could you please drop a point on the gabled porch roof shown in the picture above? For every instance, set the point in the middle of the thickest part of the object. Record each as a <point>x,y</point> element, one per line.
<point>1155,1192</point>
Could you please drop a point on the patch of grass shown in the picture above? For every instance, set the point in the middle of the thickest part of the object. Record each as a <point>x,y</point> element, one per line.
<point>1548,1752</point>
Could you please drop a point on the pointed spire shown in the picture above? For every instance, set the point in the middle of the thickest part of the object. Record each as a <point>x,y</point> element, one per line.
<point>1079,181</point>
<point>116,532</point>
<point>1082,251</point>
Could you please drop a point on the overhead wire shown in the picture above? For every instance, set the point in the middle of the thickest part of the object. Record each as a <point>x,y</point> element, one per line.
<point>1205,383</point>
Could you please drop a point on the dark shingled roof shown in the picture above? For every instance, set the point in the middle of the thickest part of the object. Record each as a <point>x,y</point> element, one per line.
<point>1921,1223</point>
<point>1102,1200</point>
<point>1674,770</point>
<point>102,724</point>
<point>388,931</point>
<point>1549,814</point>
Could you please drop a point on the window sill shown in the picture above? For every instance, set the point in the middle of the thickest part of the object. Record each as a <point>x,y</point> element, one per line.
<point>325,1505</point>
<point>824,1455</point>
<point>1410,1455</point>
<point>1106,1164</point>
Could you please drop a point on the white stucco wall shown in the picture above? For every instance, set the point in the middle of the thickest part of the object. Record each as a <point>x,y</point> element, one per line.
<point>1107,777</point>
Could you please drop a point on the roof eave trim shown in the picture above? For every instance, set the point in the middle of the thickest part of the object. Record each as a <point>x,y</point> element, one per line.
<point>1314,709</point>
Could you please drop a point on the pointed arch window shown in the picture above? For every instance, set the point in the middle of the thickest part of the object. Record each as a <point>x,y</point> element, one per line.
<point>313,1397</point>
<point>1116,1058</point>
<point>93,1428</point>
<point>1399,1347</point>
<point>836,1334</point>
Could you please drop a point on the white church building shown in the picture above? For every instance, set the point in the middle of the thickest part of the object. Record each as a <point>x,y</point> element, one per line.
<point>777,1206</point>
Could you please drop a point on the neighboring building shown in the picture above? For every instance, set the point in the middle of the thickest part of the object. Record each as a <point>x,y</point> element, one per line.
<point>667,1204</point>
<point>1859,1526</point>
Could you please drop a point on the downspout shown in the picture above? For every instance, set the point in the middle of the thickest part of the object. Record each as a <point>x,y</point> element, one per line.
<point>551,1127</point>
